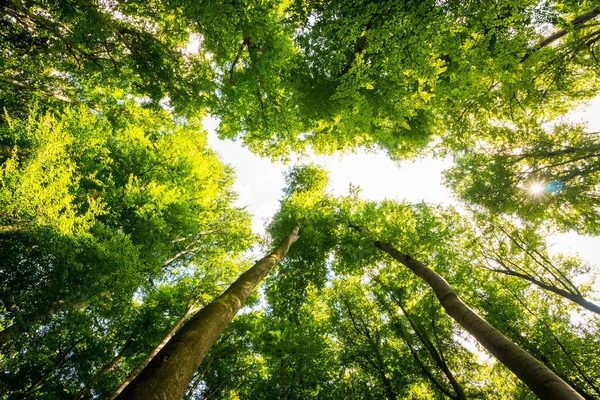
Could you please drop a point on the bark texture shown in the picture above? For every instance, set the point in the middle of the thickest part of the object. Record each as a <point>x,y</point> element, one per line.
<point>540,379</point>
<point>152,354</point>
<point>170,372</point>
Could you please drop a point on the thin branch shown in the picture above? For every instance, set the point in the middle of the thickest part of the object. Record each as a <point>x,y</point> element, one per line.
<point>576,23</point>
<point>32,88</point>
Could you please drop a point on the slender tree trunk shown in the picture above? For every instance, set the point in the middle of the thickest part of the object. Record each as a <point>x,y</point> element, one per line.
<point>532,348</point>
<point>413,351</point>
<point>540,379</point>
<point>379,364</point>
<point>577,367</point>
<point>575,298</point>
<point>17,327</point>
<point>61,360</point>
<point>215,391</point>
<point>576,23</point>
<point>435,354</point>
<point>29,87</point>
<point>170,372</point>
<point>192,389</point>
<point>107,367</point>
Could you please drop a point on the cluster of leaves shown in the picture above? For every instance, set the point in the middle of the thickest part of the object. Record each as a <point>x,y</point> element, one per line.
<point>536,174</point>
<point>103,217</point>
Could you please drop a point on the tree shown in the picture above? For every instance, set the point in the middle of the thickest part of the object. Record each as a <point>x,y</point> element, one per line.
<point>117,222</point>
<point>540,379</point>
<point>85,50</point>
<point>429,232</point>
<point>171,371</point>
<point>521,253</point>
<point>391,76</point>
<point>97,207</point>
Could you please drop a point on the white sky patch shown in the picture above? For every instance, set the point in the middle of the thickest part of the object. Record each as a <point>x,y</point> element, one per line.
<point>587,247</point>
<point>193,45</point>
<point>259,182</point>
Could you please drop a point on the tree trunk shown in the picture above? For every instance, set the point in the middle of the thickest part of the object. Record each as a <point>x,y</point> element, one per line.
<point>437,356</point>
<point>541,380</point>
<point>575,298</point>
<point>170,372</point>
<point>379,364</point>
<point>107,367</point>
<point>576,23</point>
<point>153,353</point>
<point>17,327</point>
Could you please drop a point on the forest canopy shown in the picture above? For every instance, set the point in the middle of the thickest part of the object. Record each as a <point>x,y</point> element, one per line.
<point>125,254</point>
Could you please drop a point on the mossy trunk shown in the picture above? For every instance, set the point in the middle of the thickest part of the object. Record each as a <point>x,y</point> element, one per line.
<point>170,372</point>
<point>540,379</point>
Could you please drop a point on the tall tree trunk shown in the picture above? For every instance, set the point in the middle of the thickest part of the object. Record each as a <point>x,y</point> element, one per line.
<point>198,379</point>
<point>17,327</point>
<point>378,364</point>
<point>436,354</point>
<point>540,379</point>
<point>170,372</point>
<point>404,335</point>
<point>532,348</point>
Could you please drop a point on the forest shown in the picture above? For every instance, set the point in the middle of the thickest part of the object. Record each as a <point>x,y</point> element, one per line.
<point>129,270</point>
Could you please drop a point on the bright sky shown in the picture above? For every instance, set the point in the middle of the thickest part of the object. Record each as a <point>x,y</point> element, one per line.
<point>259,182</point>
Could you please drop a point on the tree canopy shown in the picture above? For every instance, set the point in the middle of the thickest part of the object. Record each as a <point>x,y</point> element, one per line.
<point>125,255</point>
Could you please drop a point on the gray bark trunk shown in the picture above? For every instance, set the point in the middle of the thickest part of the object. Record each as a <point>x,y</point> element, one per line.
<point>540,379</point>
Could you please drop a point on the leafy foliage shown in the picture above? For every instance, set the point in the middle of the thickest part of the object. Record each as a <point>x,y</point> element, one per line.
<point>117,222</point>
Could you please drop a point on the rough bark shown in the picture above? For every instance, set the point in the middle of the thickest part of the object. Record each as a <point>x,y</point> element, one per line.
<point>153,353</point>
<point>540,379</point>
<point>170,372</point>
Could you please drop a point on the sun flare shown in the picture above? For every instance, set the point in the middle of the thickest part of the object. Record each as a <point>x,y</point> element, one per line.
<point>537,188</point>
